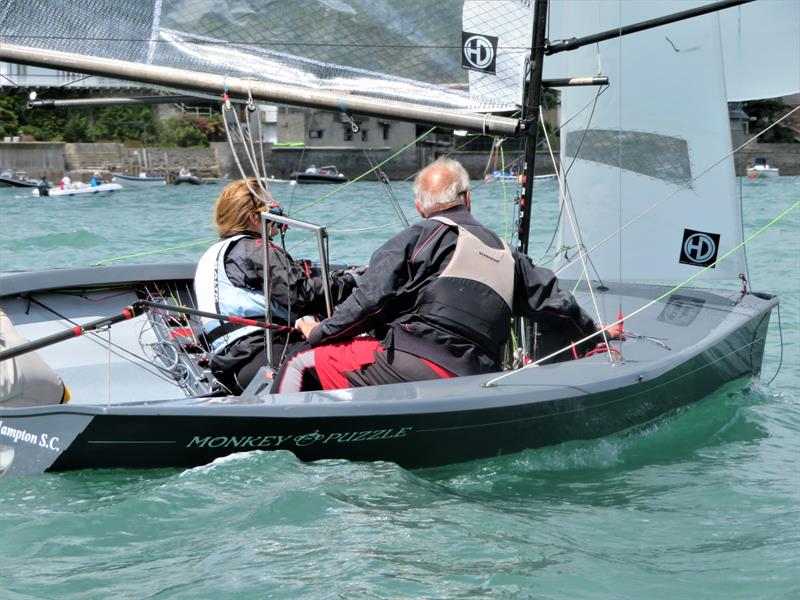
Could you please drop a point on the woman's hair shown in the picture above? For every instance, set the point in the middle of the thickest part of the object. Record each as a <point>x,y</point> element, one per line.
<point>235,205</point>
<point>441,184</point>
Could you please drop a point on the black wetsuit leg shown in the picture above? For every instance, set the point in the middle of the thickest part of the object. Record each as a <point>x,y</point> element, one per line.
<point>391,366</point>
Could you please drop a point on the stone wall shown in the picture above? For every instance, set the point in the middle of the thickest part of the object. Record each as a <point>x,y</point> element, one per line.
<point>352,164</point>
<point>35,159</point>
<point>51,159</point>
<point>158,161</point>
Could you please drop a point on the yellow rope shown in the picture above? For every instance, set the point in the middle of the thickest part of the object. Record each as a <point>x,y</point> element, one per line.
<point>505,196</point>
<point>669,292</point>
<point>118,258</point>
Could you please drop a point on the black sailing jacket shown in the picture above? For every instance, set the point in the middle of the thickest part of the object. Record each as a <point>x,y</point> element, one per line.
<point>390,288</point>
<point>295,283</point>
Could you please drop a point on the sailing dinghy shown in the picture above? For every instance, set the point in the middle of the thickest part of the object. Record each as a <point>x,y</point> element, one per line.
<point>645,201</point>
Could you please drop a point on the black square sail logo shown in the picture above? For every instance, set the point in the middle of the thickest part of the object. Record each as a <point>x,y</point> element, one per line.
<point>699,248</point>
<point>478,52</point>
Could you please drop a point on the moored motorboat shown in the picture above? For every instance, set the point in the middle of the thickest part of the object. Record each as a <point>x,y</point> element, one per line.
<point>142,180</point>
<point>761,169</point>
<point>77,189</point>
<point>10,178</point>
<point>186,176</point>
<point>189,179</point>
<point>329,174</point>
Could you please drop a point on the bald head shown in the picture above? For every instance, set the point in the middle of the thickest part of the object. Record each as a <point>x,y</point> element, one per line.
<point>442,184</point>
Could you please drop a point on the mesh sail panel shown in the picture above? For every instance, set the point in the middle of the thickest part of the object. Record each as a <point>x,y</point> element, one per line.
<point>409,50</point>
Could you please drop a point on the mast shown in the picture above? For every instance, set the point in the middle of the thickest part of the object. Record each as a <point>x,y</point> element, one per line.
<point>530,121</point>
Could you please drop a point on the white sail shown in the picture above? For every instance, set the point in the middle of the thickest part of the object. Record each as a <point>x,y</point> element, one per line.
<point>761,49</point>
<point>652,158</point>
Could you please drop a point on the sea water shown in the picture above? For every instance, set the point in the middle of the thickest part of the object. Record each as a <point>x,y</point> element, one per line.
<point>702,503</point>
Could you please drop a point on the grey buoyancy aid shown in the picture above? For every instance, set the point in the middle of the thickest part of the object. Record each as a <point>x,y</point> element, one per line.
<point>26,380</point>
<point>216,293</point>
<point>473,295</point>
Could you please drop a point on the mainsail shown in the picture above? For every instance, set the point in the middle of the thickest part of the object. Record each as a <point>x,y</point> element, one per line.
<point>761,49</point>
<point>650,171</point>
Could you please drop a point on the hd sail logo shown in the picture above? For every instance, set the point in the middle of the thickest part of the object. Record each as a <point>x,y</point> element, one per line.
<point>478,52</point>
<point>699,248</point>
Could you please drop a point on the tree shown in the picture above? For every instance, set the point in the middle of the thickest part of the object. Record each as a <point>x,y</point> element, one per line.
<point>9,124</point>
<point>764,113</point>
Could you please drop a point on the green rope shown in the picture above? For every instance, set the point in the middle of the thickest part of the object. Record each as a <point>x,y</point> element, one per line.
<point>685,282</point>
<point>727,254</point>
<point>138,254</point>
<point>375,168</point>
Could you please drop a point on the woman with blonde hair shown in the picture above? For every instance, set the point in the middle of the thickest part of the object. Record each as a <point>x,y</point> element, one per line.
<point>230,280</point>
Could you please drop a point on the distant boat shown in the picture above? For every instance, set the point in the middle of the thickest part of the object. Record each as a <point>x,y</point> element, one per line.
<point>9,178</point>
<point>329,174</point>
<point>502,175</point>
<point>762,169</point>
<point>142,180</point>
<point>78,189</point>
<point>185,176</point>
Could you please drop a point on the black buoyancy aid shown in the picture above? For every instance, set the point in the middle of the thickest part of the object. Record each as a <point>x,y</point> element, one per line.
<point>473,296</point>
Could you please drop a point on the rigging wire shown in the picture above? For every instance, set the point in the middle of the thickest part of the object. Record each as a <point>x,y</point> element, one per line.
<point>378,166</point>
<point>669,292</point>
<point>574,227</point>
<point>565,172</point>
<point>566,200</point>
<point>387,188</point>
<point>120,351</point>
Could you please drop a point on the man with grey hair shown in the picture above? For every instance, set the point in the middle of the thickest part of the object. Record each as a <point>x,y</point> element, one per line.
<point>436,301</point>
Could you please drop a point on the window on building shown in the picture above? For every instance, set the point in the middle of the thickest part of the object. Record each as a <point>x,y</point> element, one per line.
<point>385,127</point>
<point>348,134</point>
<point>315,134</point>
<point>364,135</point>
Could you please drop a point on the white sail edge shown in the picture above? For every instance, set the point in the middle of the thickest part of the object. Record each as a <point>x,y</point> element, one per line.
<point>761,49</point>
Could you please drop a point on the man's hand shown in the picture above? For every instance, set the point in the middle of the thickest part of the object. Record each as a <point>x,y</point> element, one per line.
<point>614,332</point>
<point>306,325</point>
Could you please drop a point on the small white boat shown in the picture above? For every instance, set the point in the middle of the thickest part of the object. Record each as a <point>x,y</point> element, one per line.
<point>762,169</point>
<point>142,180</point>
<point>78,189</point>
<point>501,175</point>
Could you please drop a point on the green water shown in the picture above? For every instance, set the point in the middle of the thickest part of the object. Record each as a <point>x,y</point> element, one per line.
<point>703,503</point>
